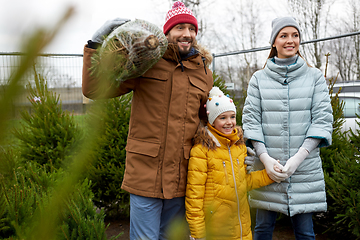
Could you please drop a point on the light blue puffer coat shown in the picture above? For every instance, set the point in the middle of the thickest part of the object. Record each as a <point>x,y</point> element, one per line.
<point>285,105</point>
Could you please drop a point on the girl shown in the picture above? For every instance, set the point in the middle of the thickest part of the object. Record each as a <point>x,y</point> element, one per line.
<point>216,194</point>
<point>287,116</point>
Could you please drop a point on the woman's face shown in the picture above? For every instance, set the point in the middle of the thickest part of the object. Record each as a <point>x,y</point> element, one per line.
<point>287,42</point>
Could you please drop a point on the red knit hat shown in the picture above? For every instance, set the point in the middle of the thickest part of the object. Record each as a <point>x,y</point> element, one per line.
<point>179,14</point>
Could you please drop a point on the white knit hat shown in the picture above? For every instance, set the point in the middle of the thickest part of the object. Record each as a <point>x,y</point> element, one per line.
<point>217,104</point>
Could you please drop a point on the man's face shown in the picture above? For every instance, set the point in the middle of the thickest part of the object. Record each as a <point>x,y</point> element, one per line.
<point>183,35</point>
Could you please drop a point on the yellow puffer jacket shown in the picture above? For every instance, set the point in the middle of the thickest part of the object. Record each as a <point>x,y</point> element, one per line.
<point>216,195</point>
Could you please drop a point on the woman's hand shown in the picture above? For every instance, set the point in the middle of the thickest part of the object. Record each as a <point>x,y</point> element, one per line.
<point>293,163</point>
<point>270,165</point>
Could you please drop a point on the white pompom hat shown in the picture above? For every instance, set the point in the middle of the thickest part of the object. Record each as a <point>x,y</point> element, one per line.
<point>217,104</point>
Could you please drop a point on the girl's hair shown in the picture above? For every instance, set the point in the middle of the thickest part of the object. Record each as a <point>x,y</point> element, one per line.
<point>273,53</point>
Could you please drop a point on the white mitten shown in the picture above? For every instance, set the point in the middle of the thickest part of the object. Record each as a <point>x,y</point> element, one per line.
<point>269,163</point>
<point>293,162</point>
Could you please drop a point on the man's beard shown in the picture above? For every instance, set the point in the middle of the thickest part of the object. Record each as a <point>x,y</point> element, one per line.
<point>176,41</point>
<point>183,53</point>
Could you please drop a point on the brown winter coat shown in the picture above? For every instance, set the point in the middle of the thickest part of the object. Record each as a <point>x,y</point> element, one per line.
<point>167,101</point>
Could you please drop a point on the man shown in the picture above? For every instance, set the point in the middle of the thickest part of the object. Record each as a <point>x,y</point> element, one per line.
<point>167,105</point>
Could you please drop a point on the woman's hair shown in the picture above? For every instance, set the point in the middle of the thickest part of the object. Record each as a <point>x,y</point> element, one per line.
<point>274,53</point>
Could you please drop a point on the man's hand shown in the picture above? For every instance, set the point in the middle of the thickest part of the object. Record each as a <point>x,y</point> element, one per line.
<point>270,165</point>
<point>107,28</point>
<point>249,159</point>
<point>293,163</point>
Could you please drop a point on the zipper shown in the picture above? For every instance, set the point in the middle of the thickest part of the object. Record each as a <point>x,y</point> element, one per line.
<point>226,176</point>
<point>236,192</point>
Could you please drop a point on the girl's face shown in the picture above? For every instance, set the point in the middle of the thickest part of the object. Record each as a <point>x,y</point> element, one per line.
<point>225,122</point>
<point>287,42</point>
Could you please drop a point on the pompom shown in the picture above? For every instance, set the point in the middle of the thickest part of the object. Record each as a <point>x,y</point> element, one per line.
<point>178,4</point>
<point>215,91</point>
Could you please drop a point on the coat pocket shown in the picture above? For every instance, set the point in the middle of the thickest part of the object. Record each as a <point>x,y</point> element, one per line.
<point>198,83</point>
<point>225,172</point>
<point>141,147</point>
<point>187,149</point>
<point>219,220</point>
<point>158,74</point>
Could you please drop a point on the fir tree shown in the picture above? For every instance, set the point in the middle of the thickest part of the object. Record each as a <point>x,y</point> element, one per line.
<point>342,176</point>
<point>109,157</point>
<point>30,192</point>
<point>47,133</point>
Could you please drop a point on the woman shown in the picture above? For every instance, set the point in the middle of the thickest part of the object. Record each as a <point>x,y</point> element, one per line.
<point>287,117</point>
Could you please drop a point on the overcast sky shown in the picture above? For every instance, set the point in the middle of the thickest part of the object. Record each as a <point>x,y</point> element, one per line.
<point>18,17</point>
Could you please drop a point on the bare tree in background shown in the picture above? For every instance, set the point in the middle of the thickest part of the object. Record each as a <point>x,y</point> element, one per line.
<point>195,7</point>
<point>248,33</point>
<point>345,52</point>
<point>341,57</point>
<point>355,19</point>
<point>312,16</point>
<point>243,31</point>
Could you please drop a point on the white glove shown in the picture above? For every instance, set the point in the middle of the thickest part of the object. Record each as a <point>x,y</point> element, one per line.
<point>192,238</point>
<point>249,159</point>
<point>293,162</point>
<point>270,164</point>
<point>107,28</point>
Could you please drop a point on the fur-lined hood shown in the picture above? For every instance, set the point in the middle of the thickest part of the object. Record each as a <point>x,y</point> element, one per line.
<point>172,53</point>
<point>205,53</point>
<point>206,138</point>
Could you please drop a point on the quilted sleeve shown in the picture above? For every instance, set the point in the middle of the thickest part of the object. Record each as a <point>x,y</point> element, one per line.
<point>321,112</point>
<point>252,113</point>
<point>195,191</point>
<point>257,179</point>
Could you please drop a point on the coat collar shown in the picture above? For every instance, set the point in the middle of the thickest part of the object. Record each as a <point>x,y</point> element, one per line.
<point>172,53</point>
<point>285,74</point>
<point>209,138</point>
<point>226,140</point>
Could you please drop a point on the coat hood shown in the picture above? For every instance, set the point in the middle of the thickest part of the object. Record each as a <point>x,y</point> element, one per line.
<point>206,138</point>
